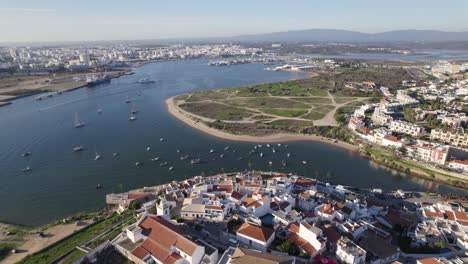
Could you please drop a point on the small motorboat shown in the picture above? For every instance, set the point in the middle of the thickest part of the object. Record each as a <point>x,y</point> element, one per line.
<point>261,154</point>
<point>171,168</point>
<point>138,163</point>
<point>78,148</point>
<point>26,169</point>
<point>268,145</point>
<point>99,186</point>
<point>163,164</point>
<point>270,163</point>
<point>97,157</point>
<point>161,139</point>
<point>212,150</point>
<point>288,155</point>
<point>195,161</point>
<point>26,154</point>
<point>221,156</point>
<point>155,159</point>
<point>148,148</point>
<point>304,162</point>
<point>115,154</point>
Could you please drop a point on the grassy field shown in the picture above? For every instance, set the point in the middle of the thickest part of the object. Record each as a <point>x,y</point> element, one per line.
<point>71,242</point>
<point>216,111</point>
<point>207,95</point>
<point>266,102</point>
<point>289,122</point>
<point>314,100</point>
<point>284,112</point>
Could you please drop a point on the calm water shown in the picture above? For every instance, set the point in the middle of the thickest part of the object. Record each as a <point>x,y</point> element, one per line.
<point>62,182</point>
<point>423,55</point>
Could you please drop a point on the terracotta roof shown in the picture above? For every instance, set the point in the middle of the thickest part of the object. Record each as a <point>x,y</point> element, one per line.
<point>213,207</point>
<point>450,215</point>
<point>140,252</point>
<point>301,243</point>
<point>251,202</point>
<point>433,214</point>
<point>133,196</point>
<point>461,215</point>
<point>249,256</point>
<point>167,235</point>
<point>155,250</point>
<point>293,227</point>
<point>304,182</point>
<point>284,204</point>
<point>463,162</point>
<point>391,138</point>
<point>257,232</point>
<point>428,261</point>
<point>237,195</point>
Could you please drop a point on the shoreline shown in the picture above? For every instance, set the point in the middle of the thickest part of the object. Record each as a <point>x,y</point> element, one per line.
<point>188,120</point>
<point>181,115</point>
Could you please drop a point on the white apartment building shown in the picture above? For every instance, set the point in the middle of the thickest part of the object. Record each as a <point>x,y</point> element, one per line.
<point>407,128</point>
<point>457,139</point>
<point>379,117</point>
<point>459,165</point>
<point>350,253</point>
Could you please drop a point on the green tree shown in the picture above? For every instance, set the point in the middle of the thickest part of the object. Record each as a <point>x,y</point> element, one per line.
<point>288,247</point>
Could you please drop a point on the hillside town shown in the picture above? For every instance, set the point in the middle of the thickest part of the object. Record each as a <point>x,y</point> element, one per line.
<point>424,122</point>
<point>269,217</point>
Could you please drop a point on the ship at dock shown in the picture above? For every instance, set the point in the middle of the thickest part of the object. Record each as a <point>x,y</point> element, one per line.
<point>95,79</point>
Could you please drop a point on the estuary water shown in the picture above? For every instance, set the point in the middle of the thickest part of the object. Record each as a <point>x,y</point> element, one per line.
<point>62,182</point>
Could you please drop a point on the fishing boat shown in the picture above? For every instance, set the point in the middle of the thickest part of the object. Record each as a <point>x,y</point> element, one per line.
<point>148,148</point>
<point>163,164</point>
<point>99,186</point>
<point>304,162</point>
<point>211,150</point>
<point>221,156</point>
<point>226,148</point>
<point>259,146</point>
<point>145,80</point>
<point>171,168</point>
<point>115,154</point>
<point>195,161</point>
<point>268,145</point>
<point>97,156</point>
<point>261,154</point>
<point>161,139</point>
<point>134,110</point>
<point>155,159</point>
<point>26,154</point>
<point>178,150</point>
<point>274,150</point>
<point>270,163</point>
<point>138,163</point>
<point>26,169</point>
<point>78,123</point>
<point>279,144</point>
<point>284,163</point>
<point>99,110</point>
<point>132,117</point>
<point>289,155</point>
<point>78,148</point>
<point>184,157</point>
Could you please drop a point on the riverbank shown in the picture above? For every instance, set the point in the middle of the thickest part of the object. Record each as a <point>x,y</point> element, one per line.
<point>401,165</point>
<point>189,120</point>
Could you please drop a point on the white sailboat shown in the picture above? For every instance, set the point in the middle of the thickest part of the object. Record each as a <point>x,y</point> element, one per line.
<point>132,117</point>
<point>78,123</point>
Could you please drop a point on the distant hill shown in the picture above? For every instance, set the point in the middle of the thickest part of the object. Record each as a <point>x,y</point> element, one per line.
<point>325,35</point>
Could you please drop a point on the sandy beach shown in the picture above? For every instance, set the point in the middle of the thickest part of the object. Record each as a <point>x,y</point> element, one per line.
<point>185,117</point>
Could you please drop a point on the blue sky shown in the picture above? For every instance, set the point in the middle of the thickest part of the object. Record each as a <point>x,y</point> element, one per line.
<point>53,20</point>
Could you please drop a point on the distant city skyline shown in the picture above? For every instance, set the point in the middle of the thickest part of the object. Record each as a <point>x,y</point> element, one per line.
<point>85,20</point>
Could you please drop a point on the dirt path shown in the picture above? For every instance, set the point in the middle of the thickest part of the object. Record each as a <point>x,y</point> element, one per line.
<point>35,243</point>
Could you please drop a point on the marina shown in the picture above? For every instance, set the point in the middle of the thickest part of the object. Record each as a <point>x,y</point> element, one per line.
<point>60,177</point>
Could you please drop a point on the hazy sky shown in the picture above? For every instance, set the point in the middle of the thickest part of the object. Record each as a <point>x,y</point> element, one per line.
<point>52,20</point>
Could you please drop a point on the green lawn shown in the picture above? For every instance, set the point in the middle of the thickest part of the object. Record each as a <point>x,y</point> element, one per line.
<point>266,102</point>
<point>207,95</point>
<point>216,111</point>
<point>289,122</point>
<point>284,112</point>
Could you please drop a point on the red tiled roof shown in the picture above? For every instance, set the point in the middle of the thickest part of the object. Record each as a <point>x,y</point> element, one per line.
<point>301,243</point>
<point>213,207</point>
<point>391,138</point>
<point>293,227</point>
<point>167,235</point>
<point>257,232</point>
<point>140,252</point>
<point>133,196</point>
<point>461,215</point>
<point>463,162</point>
<point>284,204</point>
<point>237,195</point>
<point>450,215</point>
<point>433,214</point>
<point>428,261</point>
